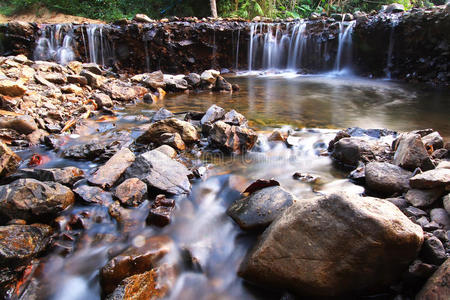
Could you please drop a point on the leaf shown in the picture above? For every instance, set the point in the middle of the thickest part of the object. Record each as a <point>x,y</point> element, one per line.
<point>260,184</point>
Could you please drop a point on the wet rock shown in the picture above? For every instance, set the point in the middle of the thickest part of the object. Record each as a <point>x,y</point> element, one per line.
<point>433,139</point>
<point>21,243</point>
<point>437,286</point>
<point>349,151</point>
<point>231,138</point>
<point>234,118</point>
<point>411,153</point>
<point>102,100</point>
<point>93,194</point>
<point>209,76</point>
<point>155,80</point>
<point>259,185</point>
<point>117,90</point>
<point>44,199</point>
<point>193,79</point>
<point>440,216</point>
<point>222,85</point>
<point>9,161</point>
<point>278,136</point>
<point>175,82</point>
<point>187,132</point>
<point>173,140</point>
<point>423,198</point>
<point>22,124</point>
<point>160,215</point>
<point>310,249</point>
<point>12,88</point>
<point>446,202</point>
<point>258,210</point>
<point>162,114</point>
<point>131,192</point>
<point>139,258</point>
<point>130,221</point>
<point>433,251</point>
<point>213,114</point>
<point>110,172</point>
<point>167,150</point>
<point>160,172</point>
<point>95,81</point>
<point>91,151</point>
<point>92,67</point>
<point>386,179</point>
<point>66,176</point>
<point>436,178</point>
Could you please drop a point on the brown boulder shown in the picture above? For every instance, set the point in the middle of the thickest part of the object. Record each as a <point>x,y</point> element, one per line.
<point>131,192</point>
<point>437,287</point>
<point>12,88</point>
<point>9,161</point>
<point>411,153</point>
<point>156,131</point>
<point>237,139</point>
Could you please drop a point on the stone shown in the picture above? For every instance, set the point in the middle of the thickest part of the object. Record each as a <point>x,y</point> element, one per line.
<point>72,89</point>
<point>231,138</point>
<point>77,79</point>
<point>414,212</point>
<point>334,245</point>
<point>167,150</point>
<point>130,221</point>
<point>9,161</point>
<point>155,80</point>
<point>12,88</point>
<point>119,91</point>
<point>222,85</point>
<point>440,216</point>
<point>66,176</point>
<point>433,251</point>
<point>160,216</point>
<point>258,210</point>
<point>160,172</point>
<point>234,118</point>
<point>162,114</point>
<point>173,140</point>
<point>423,198</point>
<point>349,151</point>
<point>278,136</point>
<point>41,80</point>
<point>209,76</point>
<point>44,200</point>
<point>437,286</point>
<point>142,256</point>
<point>411,153</point>
<point>22,124</point>
<point>75,66</point>
<point>55,78</point>
<point>143,18</point>
<point>92,67</point>
<point>392,8</point>
<point>446,202</point>
<point>93,194</point>
<point>95,81</point>
<point>213,114</point>
<point>431,179</point>
<point>399,202</point>
<point>131,192</point>
<point>102,100</point>
<point>421,269</point>
<point>433,139</point>
<point>175,82</point>
<point>193,79</point>
<point>187,132</point>
<point>107,175</point>
<point>386,179</point>
<point>19,244</point>
<point>439,153</point>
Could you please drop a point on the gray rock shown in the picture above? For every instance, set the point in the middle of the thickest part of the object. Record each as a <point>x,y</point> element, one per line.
<point>393,8</point>
<point>411,153</point>
<point>433,251</point>
<point>433,139</point>
<point>213,114</point>
<point>333,245</point>
<point>258,210</point>
<point>231,139</point>
<point>234,118</point>
<point>162,114</point>
<point>92,67</point>
<point>436,178</point>
<point>167,150</point>
<point>414,212</point>
<point>67,176</point>
<point>437,286</point>
<point>93,194</point>
<point>399,202</point>
<point>386,179</point>
<point>440,216</point>
<point>423,198</point>
<point>446,202</point>
<point>175,82</point>
<point>351,150</point>
<point>155,80</point>
<point>193,79</point>
<point>160,172</point>
<point>43,199</point>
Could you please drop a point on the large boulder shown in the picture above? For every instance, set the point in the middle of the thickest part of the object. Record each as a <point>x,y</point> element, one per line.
<point>214,113</point>
<point>9,161</point>
<point>67,176</point>
<point>434,140</point>
<point>156,131</point>
<point>237,139</point>
<point>334,245</point>
<point>259,209</point>
<point>411,153</point>
<point>436,178</point>
<point>22,124</point>
<point>437,286</point>
<point>386,179</point>
<point>160,172</point>
<point>351,150</point>
<point>30,199</point>
<point>21,243</point>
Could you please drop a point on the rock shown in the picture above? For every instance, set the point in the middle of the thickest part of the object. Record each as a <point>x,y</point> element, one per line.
<point>22,124</point>
<point>440,216</point>
<point>131,192</point>
<point>433,251</point>
<point>437,286</point>
<point>399,202</point>
<point>55,78</point>
<point>9,161</point>
<point>175,82</point>
<point>130,221</point>
<point>92,67</point>
<point>93,194</point>
<point>193,79</point>
<point>258,210</point>
<point>66,176</point>
<point>162,114</point>
<point>446,202</point>
<point>44,199</point>
<point>72,89</point>
<point>95,81</point>
<point>155,80</point>
<point>173,140</point>
<point>139,258</point>
<point>167,150</point>
<point>117,90</point>
<point>19,244</point>
<point>411,153</point>
<point>439,153</point>
<point>41,80</point>
<point>392,8</point>
<point>160,172</point>
<point>110,172</point>
<point>231,138</point>
<point>433,139</point>
<point>421,269</point>
<point>213,114</point>
<point>102,100</point>
<point>222,85</point>
<point>187,132</point>
<point>423,198</point>
<point>160,215</point>
<point>386,179</point>
<point>77,79</point>
<point>234,118</point>
<point>12,88</point>
<point>445,164</point>
<point>431,179</point>
<point>349,151</point>
<point>209,76</point>
<point>333,245</point>
<point>278,136</point>
<point>414,212</point>
<point>143,18</point>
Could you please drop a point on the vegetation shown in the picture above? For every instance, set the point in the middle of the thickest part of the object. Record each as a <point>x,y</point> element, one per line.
<point>115,9</point>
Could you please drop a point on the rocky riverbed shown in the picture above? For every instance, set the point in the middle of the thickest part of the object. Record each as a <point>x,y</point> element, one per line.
<point>122,191</point>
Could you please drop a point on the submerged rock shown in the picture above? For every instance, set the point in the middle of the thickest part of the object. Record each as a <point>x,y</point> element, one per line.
<point>162,114</point>
<point>386,179</point>
<point>43,199</point>
<point>333,245</point>
<point>93,194</point>
<point>9,161</point>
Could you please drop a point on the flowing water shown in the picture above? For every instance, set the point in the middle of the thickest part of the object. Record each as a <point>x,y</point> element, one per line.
<point>200,223</point>
<point>56,43</point>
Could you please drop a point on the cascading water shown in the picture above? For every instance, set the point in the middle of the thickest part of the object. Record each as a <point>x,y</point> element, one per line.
<point>394,23</point>
<point>100,49</point>
<point>237,49</point>
<point>345,45</point>
<point>56,43</point>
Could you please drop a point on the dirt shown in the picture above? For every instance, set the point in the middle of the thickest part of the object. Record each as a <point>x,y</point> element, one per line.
<point>44,16</point>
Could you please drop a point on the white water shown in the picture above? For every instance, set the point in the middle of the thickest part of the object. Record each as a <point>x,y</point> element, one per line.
<point>56,44</point>
<point>394,23</point>
<point>345,45</point>
<point>100,48</point>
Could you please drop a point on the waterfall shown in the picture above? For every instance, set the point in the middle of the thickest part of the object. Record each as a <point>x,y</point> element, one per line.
<point>56,43</point>
<point>237,49</point>
<point>387,70</point>
<point>345,44</point>
<point>100,48</point>
<point>214,49</point>
<point>250,48</point>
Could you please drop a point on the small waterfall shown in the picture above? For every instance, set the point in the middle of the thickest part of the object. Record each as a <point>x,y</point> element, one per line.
<point>56,43</point>
<point>214,50</point>
<point>147,57</point>
<point>237,49</point>
<point>250,48</point>
<point>387,70</point>
<point>297,46</point>
<point>100,48</point>
<point>345,46</point>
